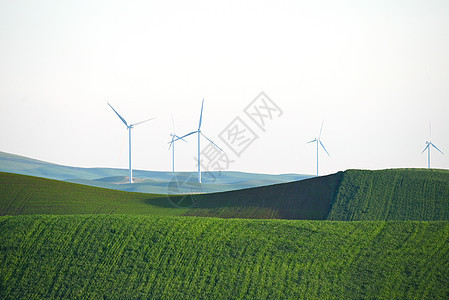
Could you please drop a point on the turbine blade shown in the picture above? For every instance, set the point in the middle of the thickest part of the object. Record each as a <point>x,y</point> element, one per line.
<point>425,148</point>
<point>186,135</point>
<point>118,115</point>
<point>138,123</point>
<point>324,149</point>
<point>171,142</point>
<point>201,115</point>
<point>311,141</point>
<point>321,129</point>
<point>212,142</point>
<point>173,123</point>
<point>436,148</point>
<point>178,138</point>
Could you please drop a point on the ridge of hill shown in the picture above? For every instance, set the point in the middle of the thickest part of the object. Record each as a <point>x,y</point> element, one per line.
<point>308,199</point>
<point>154,182</point>
<point>393,194</point>
<point>397,194</point>
<point>24,195</point>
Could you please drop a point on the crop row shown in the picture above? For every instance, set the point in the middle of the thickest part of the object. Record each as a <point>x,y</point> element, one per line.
<point>179,257</point>
<point>420,195</point>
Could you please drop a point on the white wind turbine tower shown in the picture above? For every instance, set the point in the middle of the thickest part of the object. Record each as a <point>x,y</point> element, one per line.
<point>428,146</point>
<point>131,126</point>
<point>199,138</point>
<point>172,143</point>
<point>318,142</point>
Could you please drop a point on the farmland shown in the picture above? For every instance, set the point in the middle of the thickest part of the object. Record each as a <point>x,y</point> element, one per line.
<point>401,194</point>
<point>65,240</point>
<point>125,256</point>
<point>308,199</point>
<point>20,194</point>
<point>396,194</point>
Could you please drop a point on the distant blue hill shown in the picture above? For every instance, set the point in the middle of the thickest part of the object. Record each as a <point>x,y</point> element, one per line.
<point>145,181</point>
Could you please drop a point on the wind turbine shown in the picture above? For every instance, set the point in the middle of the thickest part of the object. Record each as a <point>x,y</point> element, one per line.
<point>131,126</point>
<point>172,143</point>
<point>428,144</point>
<point>199,138</point>
<point>318,142</point>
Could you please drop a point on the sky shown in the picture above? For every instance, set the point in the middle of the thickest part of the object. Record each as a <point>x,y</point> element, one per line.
<point>376,73</point>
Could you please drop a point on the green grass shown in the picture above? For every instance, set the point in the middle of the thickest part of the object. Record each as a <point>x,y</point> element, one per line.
<point>148,251</point>
<point>397,194</point>
<point>23,195</point>
<point>308,199</point>
<point>123,257</point>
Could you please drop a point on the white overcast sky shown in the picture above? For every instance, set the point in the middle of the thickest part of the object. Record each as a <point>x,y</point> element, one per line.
<point>376,71</point>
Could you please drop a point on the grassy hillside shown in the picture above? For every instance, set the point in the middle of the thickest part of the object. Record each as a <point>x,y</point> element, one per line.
<point>397,194</point>
<point>22,195</point>
<point>351,195</point>
<point>308,199</point>
<point>122,257</point>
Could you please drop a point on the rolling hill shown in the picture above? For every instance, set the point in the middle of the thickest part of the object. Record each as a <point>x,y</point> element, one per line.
<point>129,257</point>
<point>66,240</point>
<point>145,181</point>
<point>395,194</point>
<point>398,194</point>
<point>22,195</point>
<point>309,199</point>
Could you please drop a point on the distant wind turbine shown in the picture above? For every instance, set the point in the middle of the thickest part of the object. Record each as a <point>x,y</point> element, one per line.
<point>318,142</point>
<point>428,146</point>
<point>199,138</point>
<point>172,143</point>
<point>131,126</point>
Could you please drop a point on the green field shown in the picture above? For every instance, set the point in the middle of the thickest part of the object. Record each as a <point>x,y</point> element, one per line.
<point>306,199</point>
<point>396,194</point>
<point>64,240</point>
<point>122,257</point>
<point>24,195</point>
<point>309,199</point>
<point>401,194</point>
